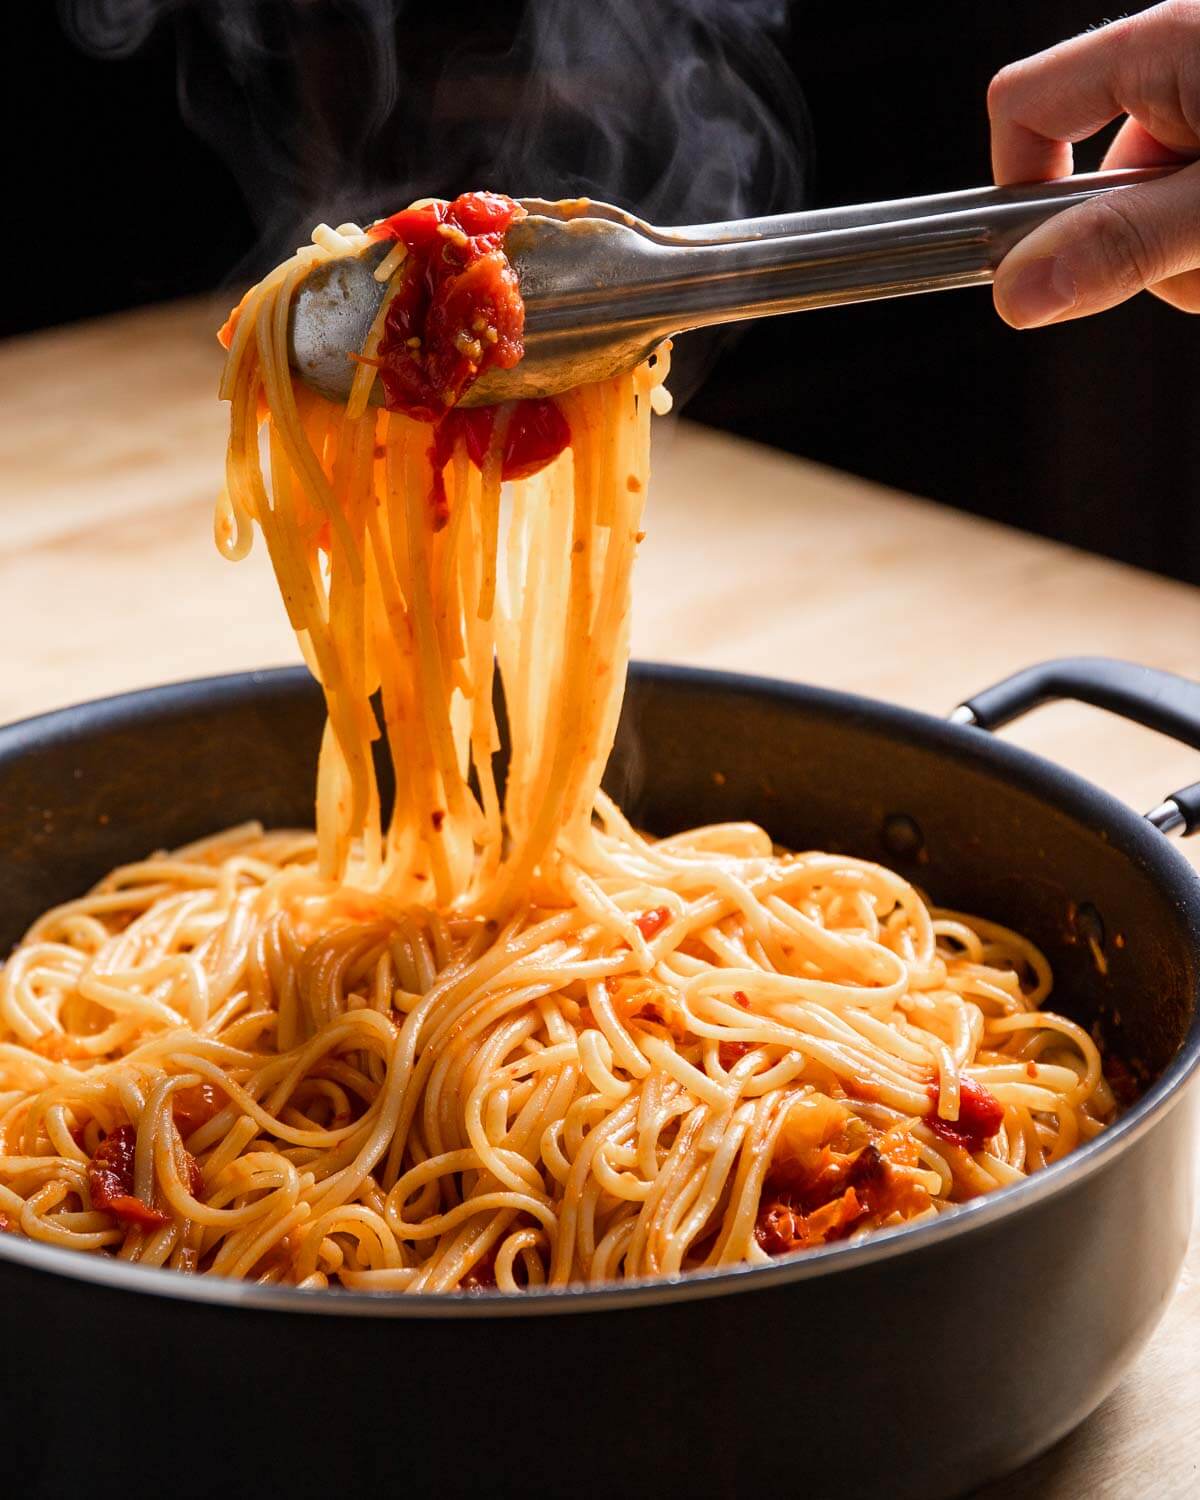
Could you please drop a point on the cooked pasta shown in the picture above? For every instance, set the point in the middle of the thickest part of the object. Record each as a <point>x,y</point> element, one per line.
<point>493,1035</point>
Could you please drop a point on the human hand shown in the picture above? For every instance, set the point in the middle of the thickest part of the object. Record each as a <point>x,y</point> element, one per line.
<point>1102,252</point>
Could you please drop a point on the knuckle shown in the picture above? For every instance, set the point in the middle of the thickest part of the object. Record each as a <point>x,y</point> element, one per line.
<point>1181,17</point>
<point>1159,77</point>
<point>1126,249</point>
<point>1002,89</point>
<point>1172,26</point>
<point>1187,77</point>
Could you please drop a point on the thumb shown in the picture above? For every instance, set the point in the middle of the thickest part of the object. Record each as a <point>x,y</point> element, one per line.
<point>1102,252</point>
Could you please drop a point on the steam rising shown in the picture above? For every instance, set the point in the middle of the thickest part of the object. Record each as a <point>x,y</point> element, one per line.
<point>683,110</point>
<point>335,110</point>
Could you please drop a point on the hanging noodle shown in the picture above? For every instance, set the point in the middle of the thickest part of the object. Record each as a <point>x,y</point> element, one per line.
<point>496,1040</point>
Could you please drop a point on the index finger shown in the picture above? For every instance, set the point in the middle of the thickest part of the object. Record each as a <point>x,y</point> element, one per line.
<point>1040,106</point>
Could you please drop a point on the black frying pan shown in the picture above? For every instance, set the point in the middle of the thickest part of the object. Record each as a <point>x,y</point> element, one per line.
<point>919,1363</point>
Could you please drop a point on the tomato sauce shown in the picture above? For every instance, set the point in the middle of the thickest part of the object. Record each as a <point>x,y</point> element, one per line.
<point>781,1229</point>
<point>634,999</point>
<point>196,1106</point>
<point>980,1115</point>
<point>651,923</point>
<point>825,1194</point>
<point>732,1052</point>
<point>457,312</point>
<point>811,1201</point>
<point>537,432</point>
<point>110,1181</point>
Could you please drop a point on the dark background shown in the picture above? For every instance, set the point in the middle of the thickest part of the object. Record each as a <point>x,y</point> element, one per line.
<point>1086,432</point>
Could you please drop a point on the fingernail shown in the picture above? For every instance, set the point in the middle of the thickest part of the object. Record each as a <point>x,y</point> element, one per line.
<point>1039,292</point>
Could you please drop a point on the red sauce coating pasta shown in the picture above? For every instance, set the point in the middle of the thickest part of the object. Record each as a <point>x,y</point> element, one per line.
<point>457,310</point>
<point>110,1181</point>
<point>651,923</point>
<point>980,1115</point>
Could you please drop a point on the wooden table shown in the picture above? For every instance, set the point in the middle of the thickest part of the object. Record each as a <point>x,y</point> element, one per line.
<point>111,445</point>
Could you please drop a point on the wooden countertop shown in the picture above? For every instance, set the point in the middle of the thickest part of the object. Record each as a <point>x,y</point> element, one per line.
<point>111,445</point>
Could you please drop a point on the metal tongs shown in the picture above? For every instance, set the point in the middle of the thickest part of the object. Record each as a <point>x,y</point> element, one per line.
<point>602,288</point>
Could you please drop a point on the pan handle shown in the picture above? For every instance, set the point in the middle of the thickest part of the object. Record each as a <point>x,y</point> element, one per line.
<point>1159,700</point>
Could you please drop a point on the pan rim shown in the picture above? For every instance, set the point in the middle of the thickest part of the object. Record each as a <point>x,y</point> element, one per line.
<point>1073,794</point>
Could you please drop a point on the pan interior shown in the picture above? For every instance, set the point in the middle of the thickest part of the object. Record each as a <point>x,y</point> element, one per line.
<point>978,825</point>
